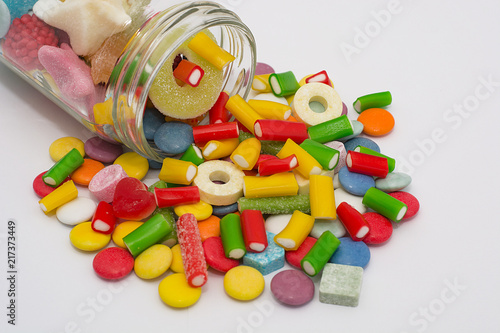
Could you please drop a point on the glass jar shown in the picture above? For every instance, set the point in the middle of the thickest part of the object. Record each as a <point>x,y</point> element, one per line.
<point>115,107</point>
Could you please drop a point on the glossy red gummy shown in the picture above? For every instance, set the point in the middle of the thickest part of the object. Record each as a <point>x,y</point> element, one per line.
<point>113,263</point>
<point>132,200</point>
<point>25,37</point>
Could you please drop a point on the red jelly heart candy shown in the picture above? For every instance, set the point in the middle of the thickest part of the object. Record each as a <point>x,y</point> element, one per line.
<point>132,201</point>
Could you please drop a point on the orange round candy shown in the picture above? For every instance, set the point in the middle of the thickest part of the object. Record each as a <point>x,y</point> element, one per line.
<point>376,122</point>
<point>83,175</point>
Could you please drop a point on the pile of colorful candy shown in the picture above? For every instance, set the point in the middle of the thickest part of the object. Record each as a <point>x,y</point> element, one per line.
<point>243,197</point>
<point>283,175</point>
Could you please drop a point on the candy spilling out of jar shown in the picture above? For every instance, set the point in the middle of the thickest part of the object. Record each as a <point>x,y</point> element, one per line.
<point>310,202</point>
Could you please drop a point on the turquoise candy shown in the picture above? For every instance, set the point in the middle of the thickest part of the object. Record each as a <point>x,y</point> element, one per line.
<point>18,8</point>
<point>394,181</point>
<point>268,261</point>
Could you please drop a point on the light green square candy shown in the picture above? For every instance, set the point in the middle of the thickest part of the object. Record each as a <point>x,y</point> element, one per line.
<point>340,284</point>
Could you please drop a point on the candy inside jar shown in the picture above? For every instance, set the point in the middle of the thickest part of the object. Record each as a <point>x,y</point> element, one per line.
<point>107,61</point>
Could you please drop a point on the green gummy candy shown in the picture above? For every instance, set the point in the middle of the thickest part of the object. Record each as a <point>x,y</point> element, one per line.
<point>63,168</point>
<point>232,236</point>
<point>385,204</point>
<point>155,230</point>
<point>326,156</point>
<point>376,100</point>
<point>283,84</point>
<point>331,130</point>
<point>317,257</point>
<point>277,205</point>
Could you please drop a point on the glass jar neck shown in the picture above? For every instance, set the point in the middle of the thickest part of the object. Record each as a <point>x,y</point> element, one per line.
<point>156,41</point>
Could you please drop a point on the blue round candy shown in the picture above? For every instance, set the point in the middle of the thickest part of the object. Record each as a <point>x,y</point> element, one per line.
<point>155,165</point>
<point>360,141</point>
<point>355,183</point>
<point>174,137</point>
<point>151,121</point>
<point>351,253</point>
<point>4,19</point>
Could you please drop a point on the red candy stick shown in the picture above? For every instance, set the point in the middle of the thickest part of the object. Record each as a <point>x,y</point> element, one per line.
<point>366,164</point>
<point>168,197</point>
<point>218,113</point>
<point>254,230</point>
<point>189,73</point>
<point>220,131</point>
<point>353,221</point>
<point>321,77</point>
<point>104,220</point>
<point>270,167</point>
<point>262,158</point>
<point>193,257</point>
<point>280,130</point>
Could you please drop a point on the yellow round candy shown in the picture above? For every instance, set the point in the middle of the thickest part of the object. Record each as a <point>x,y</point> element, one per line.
<point>84,238</point>
<point>153,262</point>
<point>243,283</point>
<point>176,292</point>
<point>62,146</point>
<point>135,165</point>
<point>201,210</point>
<point>122,230</point>
<point>177,266</point>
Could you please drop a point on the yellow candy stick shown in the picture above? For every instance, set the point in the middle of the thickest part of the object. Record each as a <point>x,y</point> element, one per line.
<point>295,232</point>
<point>177,171</point>
<point>205,47</point>
<point>216,149</point>
<point>242,111</point>
<point>246,154</point>
<point>261,84</point>
<point>64,193</point>
<point>270,109</point>
<point>322,197</point>
<point>277,185</point>
<point>307,164</point>
<point>201,210</point>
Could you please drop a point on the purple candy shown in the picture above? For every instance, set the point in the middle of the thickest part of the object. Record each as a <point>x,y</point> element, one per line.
<point>101,150</point>
<point>262,68</point>
<point>344,109</point>
<point>292,287</point>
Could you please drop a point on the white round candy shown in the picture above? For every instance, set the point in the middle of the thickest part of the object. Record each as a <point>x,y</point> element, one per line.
<point>76,211</point>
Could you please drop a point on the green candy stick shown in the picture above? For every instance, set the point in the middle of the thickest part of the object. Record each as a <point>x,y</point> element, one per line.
<point>193,154</point>
<point>331,130</point>
<point>232,237</point>
<point>326,156</point>
<point>283,84</point>
<point>390,161</point>
<point>153,231</point>
<point>169,215</point>
<point>317,257</point>
<point>376,100</point>
<point>384,204</point>
<point>277,205</point>
<point>63,168</point>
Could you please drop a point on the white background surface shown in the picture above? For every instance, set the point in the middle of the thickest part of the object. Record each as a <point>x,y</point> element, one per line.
<point>433,57</point>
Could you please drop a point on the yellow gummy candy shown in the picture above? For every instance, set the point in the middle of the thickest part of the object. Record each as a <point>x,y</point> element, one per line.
<point>261,84</point>
<point>270,109</point>
<point>66,192</point>
<point>153,262</point>
<point>201,210</point>
<point>242,111</point>
<point>84,238</point>
<point>216,149</point>
<point>243,283</point>
<point>295,232</point>
<point>177,266</point>
<point>133,164</point>
<point>177,171</point>
<point>176,292</point>
<point>122,230</point>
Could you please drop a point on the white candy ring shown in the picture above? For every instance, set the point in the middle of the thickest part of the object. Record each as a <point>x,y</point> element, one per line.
<point>314,93</point>
<point>220,182</point>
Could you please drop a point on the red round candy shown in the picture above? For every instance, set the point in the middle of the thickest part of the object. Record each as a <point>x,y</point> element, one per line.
<point>215,256</point>
<point>294,257</point>
<point>380,228</point>
<point>409,200</point>
<point>113,263</point>
<point>41,189</point>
